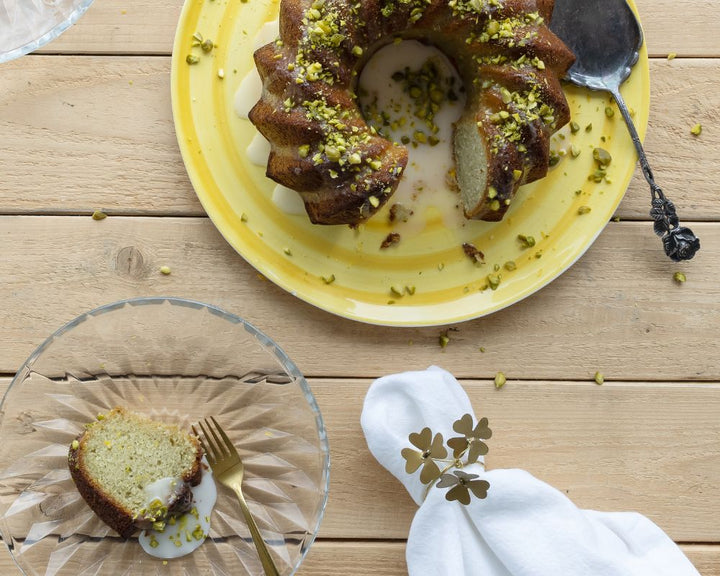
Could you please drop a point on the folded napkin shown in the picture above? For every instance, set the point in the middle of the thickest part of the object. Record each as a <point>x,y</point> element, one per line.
<point>523,527</point>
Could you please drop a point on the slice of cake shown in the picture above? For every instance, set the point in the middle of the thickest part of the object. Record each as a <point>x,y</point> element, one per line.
<point>133,472</point>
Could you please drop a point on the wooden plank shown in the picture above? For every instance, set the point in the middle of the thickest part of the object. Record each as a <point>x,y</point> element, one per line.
<point>650,448</point>
<point>69,147</point>
<point>328,558</point>
<point>687,27</point>
<point>363,558</point>
<point>618,310</point>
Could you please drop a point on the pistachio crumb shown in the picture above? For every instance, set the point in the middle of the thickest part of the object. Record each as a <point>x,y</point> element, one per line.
<point>99,215</point>
<point>165,270</point>
<point>696,130</point>
<point>75,445</point>
<point>192,59</point>
<point>328,279</point>
<point>584,210</point>
<point>444,339</point>
<point>500,380</point>
<point>679,277</point>
<point>599,378</point>
<point>672,56</point>
<point>526,241</point>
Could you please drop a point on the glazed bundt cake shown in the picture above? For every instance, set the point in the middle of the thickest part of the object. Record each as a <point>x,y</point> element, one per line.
<point>322,147</point>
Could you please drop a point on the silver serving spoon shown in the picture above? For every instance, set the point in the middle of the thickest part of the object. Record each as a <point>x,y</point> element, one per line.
<point>606,39</point>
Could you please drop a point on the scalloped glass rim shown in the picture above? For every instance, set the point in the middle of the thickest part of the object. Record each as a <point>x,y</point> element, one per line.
<point>47,36</point>
<point>263,340</point>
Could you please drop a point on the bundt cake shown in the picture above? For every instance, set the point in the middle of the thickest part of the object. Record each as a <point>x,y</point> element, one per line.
<point>135,473</point>
<point>322,147</point>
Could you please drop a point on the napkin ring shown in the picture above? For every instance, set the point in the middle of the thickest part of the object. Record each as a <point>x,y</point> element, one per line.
<point>466,449</point>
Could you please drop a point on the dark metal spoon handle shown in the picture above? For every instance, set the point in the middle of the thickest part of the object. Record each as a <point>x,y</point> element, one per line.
<point>680,243</point>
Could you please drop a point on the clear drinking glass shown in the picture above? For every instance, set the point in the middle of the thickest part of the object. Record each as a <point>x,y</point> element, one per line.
<point>175,361</point>
<point>26,25</point>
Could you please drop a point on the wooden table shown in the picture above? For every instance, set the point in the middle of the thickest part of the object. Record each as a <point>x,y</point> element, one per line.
<point>87,125</point>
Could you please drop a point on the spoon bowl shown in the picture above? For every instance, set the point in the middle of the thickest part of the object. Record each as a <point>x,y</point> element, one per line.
<point>606,38</point>
<point>606,56</point>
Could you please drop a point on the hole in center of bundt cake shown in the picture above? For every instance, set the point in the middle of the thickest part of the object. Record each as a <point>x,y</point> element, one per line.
<point>412,94</point>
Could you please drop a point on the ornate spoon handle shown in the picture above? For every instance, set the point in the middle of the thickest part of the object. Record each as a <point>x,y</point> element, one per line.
<point>680,243</point>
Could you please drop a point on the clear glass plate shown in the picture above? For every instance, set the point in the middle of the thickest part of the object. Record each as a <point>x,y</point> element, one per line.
<point>26,25</point>
<point>174,361</point>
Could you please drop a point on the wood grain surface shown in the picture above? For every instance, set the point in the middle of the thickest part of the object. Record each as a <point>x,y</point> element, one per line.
<point>87,125</point>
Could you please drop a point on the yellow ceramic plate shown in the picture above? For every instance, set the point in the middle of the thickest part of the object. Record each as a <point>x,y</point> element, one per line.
<point>300,257</point>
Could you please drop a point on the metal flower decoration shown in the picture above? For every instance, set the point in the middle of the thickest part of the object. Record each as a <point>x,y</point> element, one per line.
<point>462,485</point>
<point>471,440</point>
<point>431,452</point>
<point>680,243</point>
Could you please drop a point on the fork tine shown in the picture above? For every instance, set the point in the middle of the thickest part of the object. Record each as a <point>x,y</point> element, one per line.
<point>217,454</point>
<point>228,443</point>
<point>210,455</point>
<point>221,448</point>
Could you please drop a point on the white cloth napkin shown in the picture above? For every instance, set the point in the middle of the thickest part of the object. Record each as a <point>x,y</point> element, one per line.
<point>524,527</point>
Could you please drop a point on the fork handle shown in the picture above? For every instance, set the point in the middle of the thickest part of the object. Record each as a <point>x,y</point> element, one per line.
<point>264,554</point>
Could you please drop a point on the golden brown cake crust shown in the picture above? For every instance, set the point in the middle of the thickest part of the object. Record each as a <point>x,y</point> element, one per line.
<point>107,508</point>
<point>323,148</point>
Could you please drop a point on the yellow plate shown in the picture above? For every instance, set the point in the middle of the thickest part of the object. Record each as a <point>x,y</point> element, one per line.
<point>301,257</point>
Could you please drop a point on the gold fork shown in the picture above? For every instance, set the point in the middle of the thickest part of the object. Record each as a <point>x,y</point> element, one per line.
<point>229,470</point>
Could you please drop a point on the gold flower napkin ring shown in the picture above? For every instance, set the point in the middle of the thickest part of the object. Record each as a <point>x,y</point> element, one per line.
<point>467,449</point>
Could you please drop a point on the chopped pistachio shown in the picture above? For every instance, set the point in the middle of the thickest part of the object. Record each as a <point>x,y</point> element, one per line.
<point>207,45</point>
<point>493,281</point>
<point>328,279</point>
<point>672,56</point>
<point>584,210</point>
<point>98,215</point>
<point>599,378</point>
<point>396,290</point>
<point>410,290</point>
<point>588,128</point>
<point>500,380</point>
<point>165,270</point>
<point>602,157</point>
<point>192,59</point>
<point>287,251</point>
<point>526,241</point>
<point>243,217</point>
<point>574,127</point>
<point>679,277</point>
<point>510,266</point>
<point>75,445</point>
<point>696,130</point>
<point>609,112</point>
